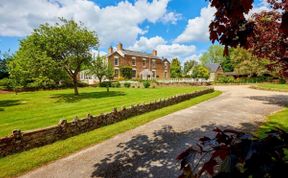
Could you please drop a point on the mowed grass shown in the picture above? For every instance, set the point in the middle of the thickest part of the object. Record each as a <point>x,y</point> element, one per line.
<point>32,110</point>
<point>276,120</point>
<point>20,163</point>
<point>272,87</point>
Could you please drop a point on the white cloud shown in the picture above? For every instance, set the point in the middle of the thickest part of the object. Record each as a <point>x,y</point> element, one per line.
<point>112,23</point>
<point>171,17</point>
<point>148,44</point>
<point>183,52</point>
<point>262,6</point>
<point>176,50</point>
<point>197,28</point>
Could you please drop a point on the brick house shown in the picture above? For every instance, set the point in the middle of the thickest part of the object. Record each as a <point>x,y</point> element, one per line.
<point>144,66</point>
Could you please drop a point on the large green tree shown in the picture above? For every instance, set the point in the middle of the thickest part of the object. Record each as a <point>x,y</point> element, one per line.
<point>175,68</point>
<point>245,63</point>
<point>188,65</point>
<point>66,45</point>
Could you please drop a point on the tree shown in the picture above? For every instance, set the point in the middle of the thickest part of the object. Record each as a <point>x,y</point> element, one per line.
<point>98,67</point>
<point>215,55</point>
<point>200,71</point>
<point>32,68</point>
<point>109,74</point>
<point>126,72</point>
<point>67,45</point>
<point>188,65</point>
<point>269,42</point>
<point>232,28</point>
<point>4,59</point>
<point>245,63</point>
<point>175,68</point>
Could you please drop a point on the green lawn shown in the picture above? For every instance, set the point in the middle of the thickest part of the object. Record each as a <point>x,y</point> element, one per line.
<point>272,87</point>
<point>279,119</point>
<point>31,110</point>
<point>17,164</point>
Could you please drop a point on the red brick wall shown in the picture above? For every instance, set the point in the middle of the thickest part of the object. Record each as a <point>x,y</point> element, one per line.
<point>127,61</point>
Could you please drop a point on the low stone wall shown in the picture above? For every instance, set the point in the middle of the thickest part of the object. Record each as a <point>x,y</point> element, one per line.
<point>21,141</point>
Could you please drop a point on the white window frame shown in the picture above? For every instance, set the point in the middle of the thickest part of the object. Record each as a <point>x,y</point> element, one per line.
<point>135,73</point>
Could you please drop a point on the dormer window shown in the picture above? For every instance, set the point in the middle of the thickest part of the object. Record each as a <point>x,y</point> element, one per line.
<point>133,61</point>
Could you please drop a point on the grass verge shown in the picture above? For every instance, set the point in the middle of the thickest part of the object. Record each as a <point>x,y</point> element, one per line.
<point>271,87</point>
<point>17,164</point>
<point>278,119</point>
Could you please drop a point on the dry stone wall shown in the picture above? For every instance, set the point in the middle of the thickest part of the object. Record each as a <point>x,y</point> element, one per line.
<point>20,141</point>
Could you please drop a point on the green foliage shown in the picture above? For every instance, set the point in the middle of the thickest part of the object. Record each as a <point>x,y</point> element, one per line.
<point>6,83</point>
<point>105,84</point>
<point>200,71</point>
<point>98,67</point>
<point>213,55</point>
<point>245,63</point>
<point>282,81</point>
<point>175,68</point>
<point>50,50</point>
<point>146,84</point>
<point>4,59</point>
<point>225,79</point>
<point>126,72</point>
<point>188,65</point>
<point>116,84</point>
<point>127,85</point>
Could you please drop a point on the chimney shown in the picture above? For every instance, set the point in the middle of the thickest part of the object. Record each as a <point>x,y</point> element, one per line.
<point>120,47</point>
<point>110,50</point>
<point>154,52</point>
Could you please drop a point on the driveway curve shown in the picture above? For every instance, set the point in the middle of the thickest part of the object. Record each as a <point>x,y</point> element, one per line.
<point>150,150</point>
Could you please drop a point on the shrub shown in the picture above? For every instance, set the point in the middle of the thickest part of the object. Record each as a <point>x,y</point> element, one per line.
<point>126,72</point>
<point>127,85</point>
<point>282,81</point>
<point>6,83</point>
<point>233,154</point>
<point>105,84</point>
<point>146,84</point>
<point>225,79</point>
<point>116,84</point>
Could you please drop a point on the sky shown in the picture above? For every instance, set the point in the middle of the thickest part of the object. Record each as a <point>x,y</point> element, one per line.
<point>175,28</point>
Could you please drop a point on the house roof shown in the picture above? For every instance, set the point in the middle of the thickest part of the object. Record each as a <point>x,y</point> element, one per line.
<point>124,52</point>
<point>213,67</point>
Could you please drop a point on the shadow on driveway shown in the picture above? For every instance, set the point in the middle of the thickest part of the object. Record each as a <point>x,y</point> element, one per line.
<point>155,156</point>
<point>280,100</point>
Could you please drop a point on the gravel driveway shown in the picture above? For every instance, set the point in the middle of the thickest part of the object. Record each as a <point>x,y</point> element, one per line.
<point>150,150</point>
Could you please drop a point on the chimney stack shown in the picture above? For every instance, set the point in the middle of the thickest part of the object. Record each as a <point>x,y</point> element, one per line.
<point>110,50</point>
<point>154,52</point>
<point>120,47</point>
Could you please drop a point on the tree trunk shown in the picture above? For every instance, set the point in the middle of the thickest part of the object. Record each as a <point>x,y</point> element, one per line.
<point>75,83</point>
<point>107,87</point>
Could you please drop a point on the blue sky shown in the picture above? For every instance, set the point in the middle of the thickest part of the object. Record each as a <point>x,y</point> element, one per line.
<point>176,28</point>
